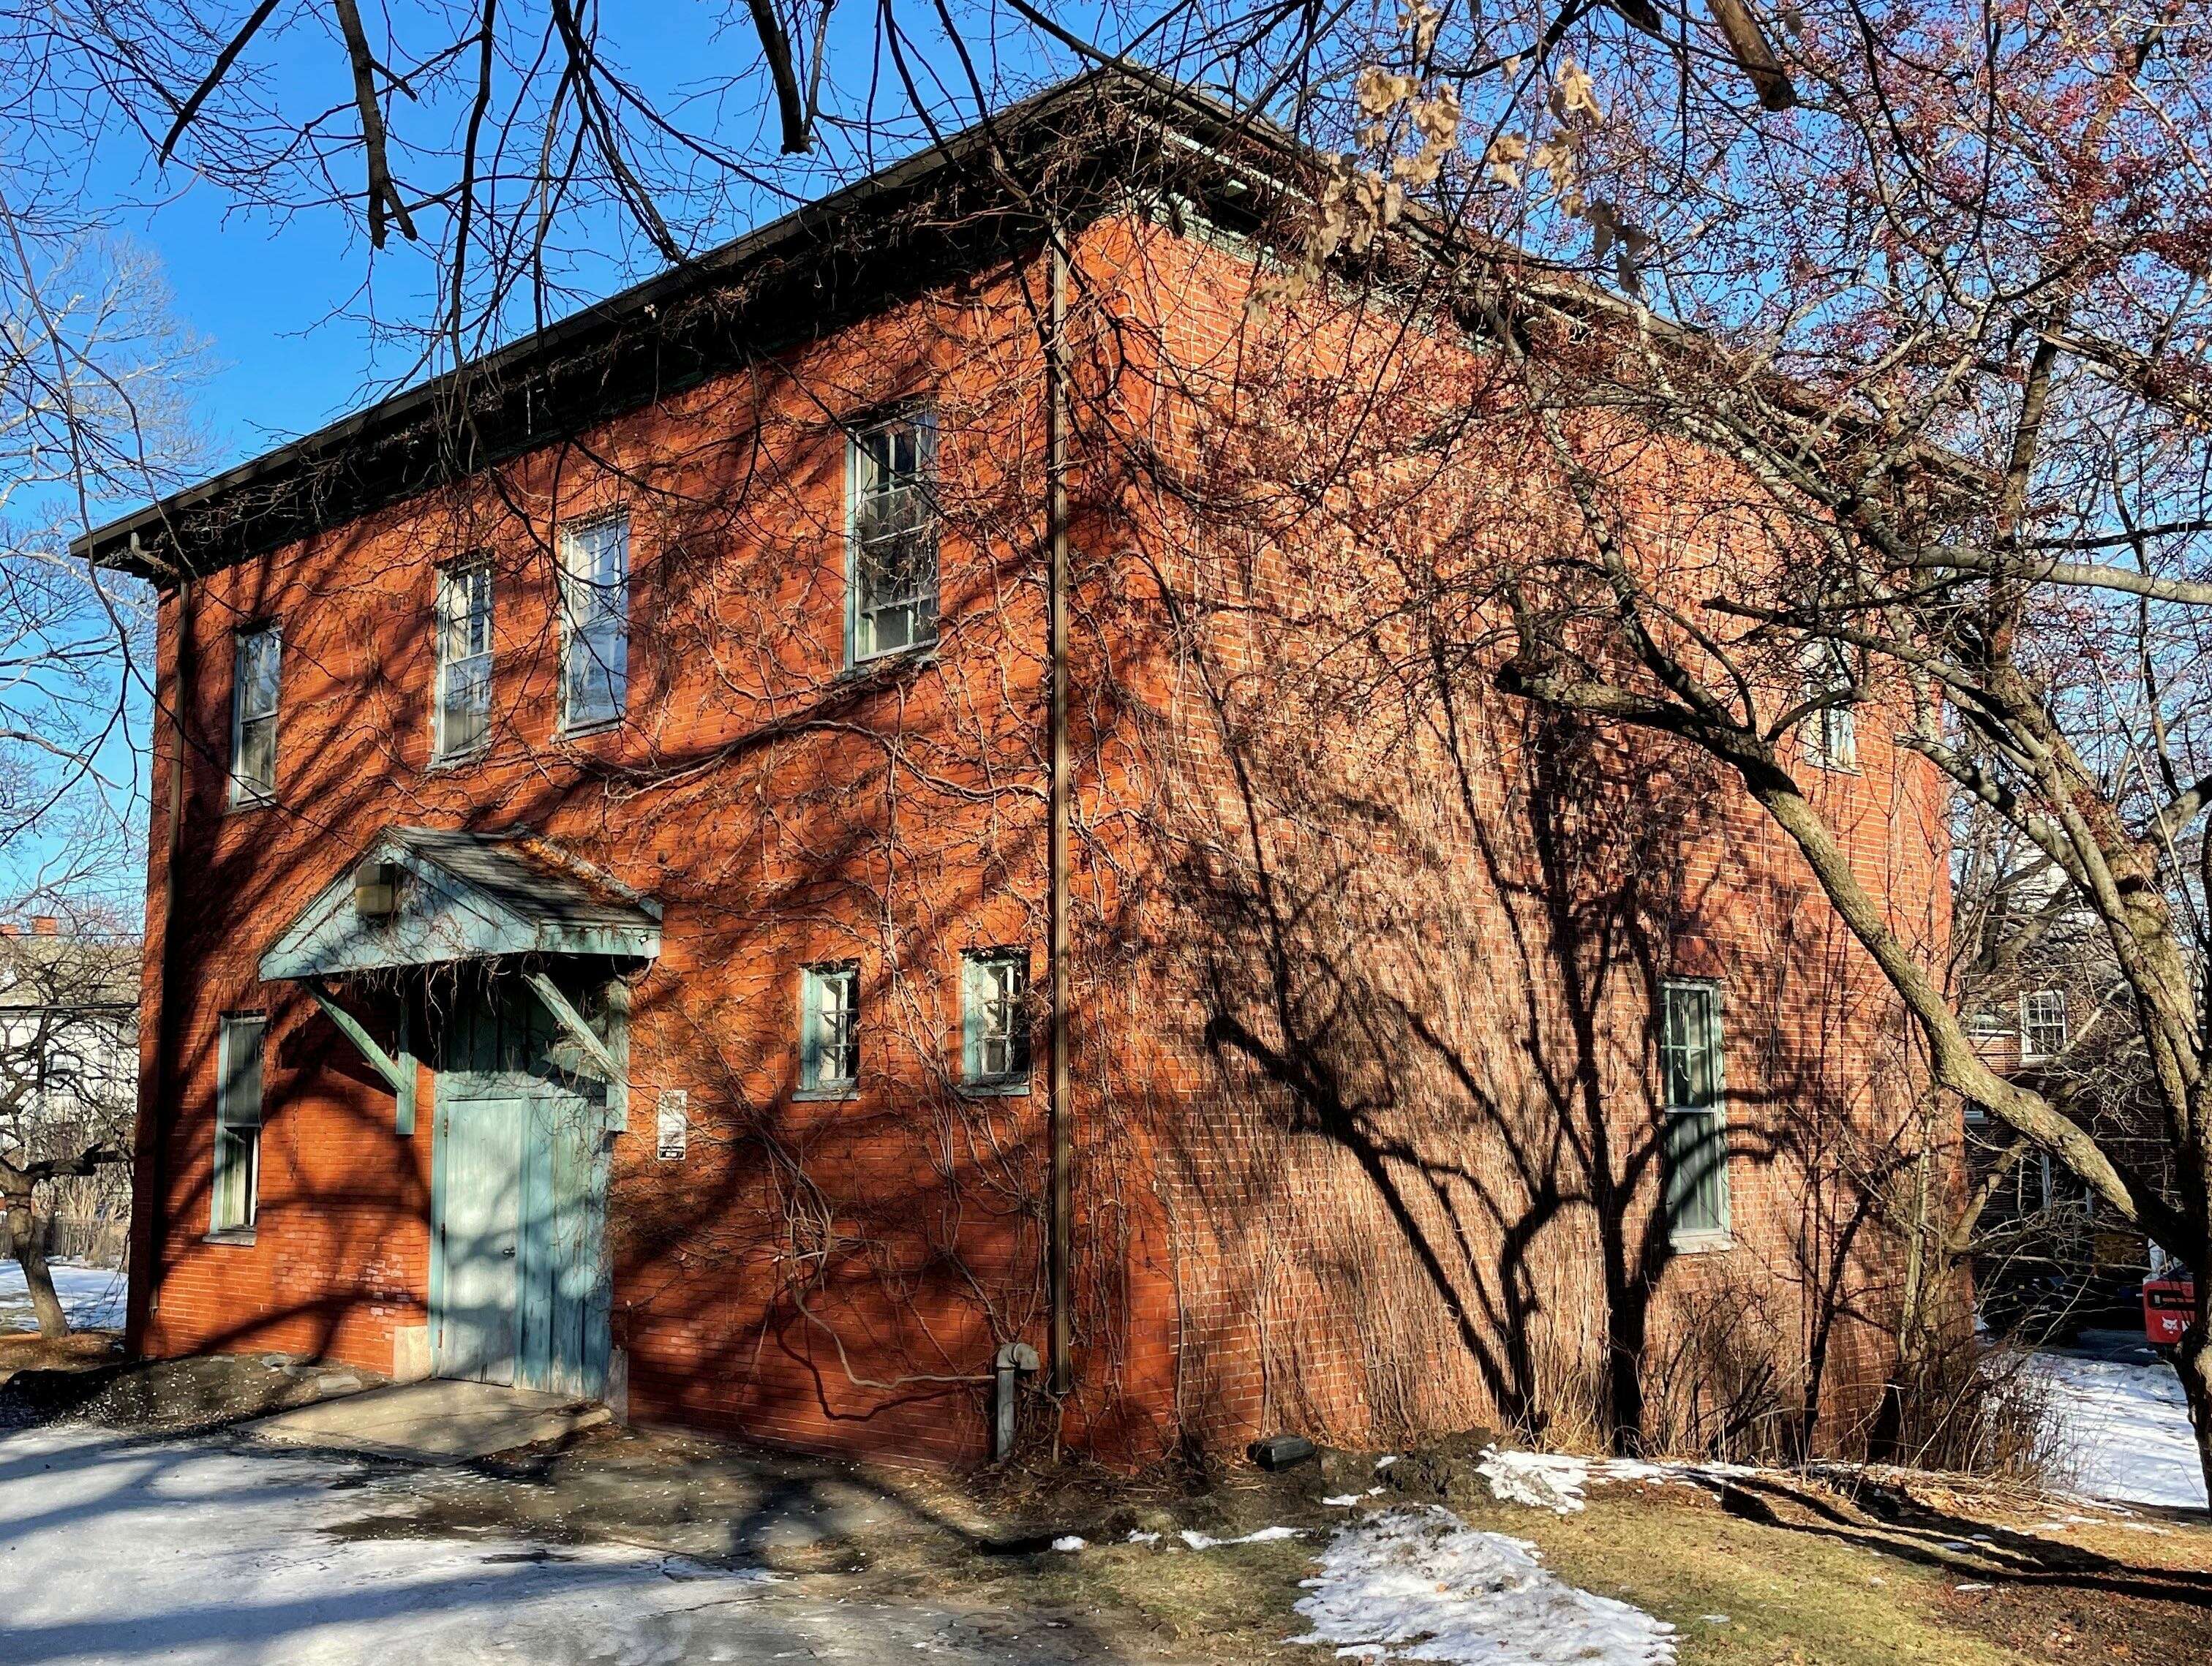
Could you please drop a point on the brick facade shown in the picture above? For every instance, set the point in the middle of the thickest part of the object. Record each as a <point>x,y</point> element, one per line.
<point>1362,1041</point>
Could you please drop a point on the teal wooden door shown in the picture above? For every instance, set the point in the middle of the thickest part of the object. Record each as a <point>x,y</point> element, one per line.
<point>475,1331</point>
<point>512,1122</point>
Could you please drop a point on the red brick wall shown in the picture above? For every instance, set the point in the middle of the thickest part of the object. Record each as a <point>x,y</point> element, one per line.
<point>1298,1204</point>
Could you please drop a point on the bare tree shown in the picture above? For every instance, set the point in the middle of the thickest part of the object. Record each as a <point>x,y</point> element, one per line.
<point>69,1003</point>
<point>1936,341</point>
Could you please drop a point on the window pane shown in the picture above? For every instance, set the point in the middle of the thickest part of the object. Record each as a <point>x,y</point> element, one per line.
<point>253,712</point>
<point>257,754</point>
<point>237,1124</point>
<point>893,560</point>
<point>258,653</point>
<point>463,658</point>
<point>830,1018</point>
<point>1697,1171</point>
<point>997,1019</point>
<point>1695,1139</point>
<point>595,598</point>
<point>465,716</point>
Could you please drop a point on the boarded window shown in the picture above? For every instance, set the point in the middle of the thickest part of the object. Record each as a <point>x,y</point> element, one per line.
<point>255,670</point>
<point>995,1019</point>
<point>464,720</point>
<point>830,1028</point>
<point>237,1187</point>
<point>892,553</point>
<point>594,623</point>
<point>1697,1194</point>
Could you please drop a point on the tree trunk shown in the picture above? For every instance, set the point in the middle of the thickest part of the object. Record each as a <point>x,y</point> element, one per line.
<point>2195,1365</point>
<point>23,1242</point>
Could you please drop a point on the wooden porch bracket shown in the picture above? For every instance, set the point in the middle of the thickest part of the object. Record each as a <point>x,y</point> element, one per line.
<point>603,1063</point>
<point>399,1074</point>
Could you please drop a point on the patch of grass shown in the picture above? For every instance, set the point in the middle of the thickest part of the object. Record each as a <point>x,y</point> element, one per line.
<point>1789,1596</point>
<point>1236,1599</point>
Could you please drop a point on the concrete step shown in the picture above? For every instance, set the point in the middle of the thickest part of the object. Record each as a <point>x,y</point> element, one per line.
<point>433,1421</point>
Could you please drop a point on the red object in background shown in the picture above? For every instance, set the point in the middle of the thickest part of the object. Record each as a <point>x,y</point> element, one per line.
<point>2168,1304</point>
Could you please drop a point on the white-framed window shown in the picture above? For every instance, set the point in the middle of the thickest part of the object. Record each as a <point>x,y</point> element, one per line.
<point>1696,1149</point>
<point>890,570</point>
<point>256,667</point>
<point>594,621</point>
<point>2043,1023</point>
<point>235,1195</point>
<point>829,1029</point>
<point>463,708</point>
<point>994,1019</point>
<point>1829,735</point>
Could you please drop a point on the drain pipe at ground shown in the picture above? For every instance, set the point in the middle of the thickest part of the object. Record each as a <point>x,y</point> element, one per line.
<point>1014,1358</point>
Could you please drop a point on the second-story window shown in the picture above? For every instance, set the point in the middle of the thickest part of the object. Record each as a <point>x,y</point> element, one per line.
<point>2042,1024</point>
<point>594,623</point>
<point>1829,735</point>
<point>253,715</point>
<point>463,716</point>
<point>892,556</point>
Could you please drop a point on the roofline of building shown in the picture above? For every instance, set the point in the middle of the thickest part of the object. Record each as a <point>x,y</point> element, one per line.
<point>145,542</point>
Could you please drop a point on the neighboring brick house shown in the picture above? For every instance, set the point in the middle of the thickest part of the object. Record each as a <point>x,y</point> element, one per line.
<point>601,920</point>
<point>2046,1004</point>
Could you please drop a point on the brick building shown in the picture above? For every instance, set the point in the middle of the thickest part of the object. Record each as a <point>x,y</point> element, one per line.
<point>603,915</point>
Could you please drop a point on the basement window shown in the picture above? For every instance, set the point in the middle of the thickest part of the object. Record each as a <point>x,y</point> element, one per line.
<point>1696,1148</point>
<point>891,549</point>
<point>254,678</point>
<point>236,1191</point>
<point>464,714</point>
<point>594,623</point>
<point>2043,1024</point>
<point>995,1046</point>
<point>830,1029</point>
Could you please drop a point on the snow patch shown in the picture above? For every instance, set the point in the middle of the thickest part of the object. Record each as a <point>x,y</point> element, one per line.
<point>194,1555</point>
<point>1071,1541</point>
<point>93,1298</point>
<point>2124,1430</point>
<point>1419,1577</point>
<point>1557,1480</point>
<point>1541,1480</point>
<point>1265,1536</point>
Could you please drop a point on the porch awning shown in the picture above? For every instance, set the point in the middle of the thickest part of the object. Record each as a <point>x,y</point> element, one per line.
<point>422,897</point>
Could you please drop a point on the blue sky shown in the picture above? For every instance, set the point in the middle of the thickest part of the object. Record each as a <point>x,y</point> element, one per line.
<point>283,304</point>
<point>280,304</point>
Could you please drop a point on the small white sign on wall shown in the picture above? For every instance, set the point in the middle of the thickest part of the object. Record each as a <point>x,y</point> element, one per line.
<point>675,1107</point>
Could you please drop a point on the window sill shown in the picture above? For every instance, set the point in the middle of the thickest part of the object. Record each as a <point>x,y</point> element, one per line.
<point>825,1095</point>
<point>584,731</point>
<point>998,1087</point>
<point>247,804</point>
<point>237,1237</point>
<point>446,763</point>
<point>920,657</point>
<point>1712,1243</point>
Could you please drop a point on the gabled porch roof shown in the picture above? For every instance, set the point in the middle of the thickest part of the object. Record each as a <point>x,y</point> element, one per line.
<point>464,896</point>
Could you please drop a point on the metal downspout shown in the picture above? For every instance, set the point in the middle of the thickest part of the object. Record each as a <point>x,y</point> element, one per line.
<point>1060,1116</point>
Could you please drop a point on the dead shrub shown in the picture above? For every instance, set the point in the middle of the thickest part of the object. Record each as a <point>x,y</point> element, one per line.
<point>1717,1385</point>
<point>1959,1406</point>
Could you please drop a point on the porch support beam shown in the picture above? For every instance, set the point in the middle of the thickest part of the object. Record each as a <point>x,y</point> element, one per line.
<point>603,1063</point>
<point>399,1073</point>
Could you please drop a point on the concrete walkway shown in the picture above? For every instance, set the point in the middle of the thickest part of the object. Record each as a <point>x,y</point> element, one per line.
<point>435,1421</point>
